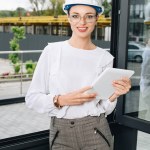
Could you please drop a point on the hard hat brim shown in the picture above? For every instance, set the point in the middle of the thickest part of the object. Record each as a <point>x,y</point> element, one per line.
<point>99,10</point>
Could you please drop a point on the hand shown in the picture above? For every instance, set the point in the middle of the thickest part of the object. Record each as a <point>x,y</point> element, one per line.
<point>77,97</point>
<point>122,87</point>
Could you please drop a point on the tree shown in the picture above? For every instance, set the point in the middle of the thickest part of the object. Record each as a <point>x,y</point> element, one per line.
<point>37,6</point>
<point>57,7</point>
<point>20,11</point>
<point>53,4</point>
<point>107,8</point>
<point>15,13</point>
<point>19,34</point>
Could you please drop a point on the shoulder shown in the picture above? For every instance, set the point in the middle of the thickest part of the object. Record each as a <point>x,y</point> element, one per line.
<point>106,53</point>
<point>53,46</point>
<point>106,58</point>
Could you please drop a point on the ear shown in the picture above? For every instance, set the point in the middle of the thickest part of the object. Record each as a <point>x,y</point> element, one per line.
<point>68,18</point>
<point>97,17</point>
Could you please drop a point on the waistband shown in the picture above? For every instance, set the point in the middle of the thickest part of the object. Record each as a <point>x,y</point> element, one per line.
<point>79,121</point>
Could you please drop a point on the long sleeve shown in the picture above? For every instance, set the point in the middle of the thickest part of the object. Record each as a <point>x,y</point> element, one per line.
<point>38,96</point>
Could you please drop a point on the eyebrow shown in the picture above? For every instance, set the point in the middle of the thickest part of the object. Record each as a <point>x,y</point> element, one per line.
<point>85,13</point>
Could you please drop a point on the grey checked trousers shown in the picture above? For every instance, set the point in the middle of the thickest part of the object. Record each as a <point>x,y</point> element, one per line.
<point>88,133</point>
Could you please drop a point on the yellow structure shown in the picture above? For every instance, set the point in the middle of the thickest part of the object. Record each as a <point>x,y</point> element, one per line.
<point>46,20</point>
<point>147,22</point>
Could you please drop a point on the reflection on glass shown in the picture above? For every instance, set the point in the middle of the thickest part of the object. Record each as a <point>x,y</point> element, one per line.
<point>147,12</point>
<point>143,142</point>
<point>17,83</point>
<point>17,119</point>
<point>137,102</point>
<point>145,83</point>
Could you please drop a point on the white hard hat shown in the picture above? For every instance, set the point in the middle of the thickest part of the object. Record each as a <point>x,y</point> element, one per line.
<point>96,4</point>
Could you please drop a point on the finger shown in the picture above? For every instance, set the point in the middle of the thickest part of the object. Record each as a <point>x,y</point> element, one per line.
<point>126,83</point>
<point>86,100</point>
<point>119,84</point>
<point>82,90</point>
<point>121,91</point>
<point>127,80</point>
<point>123,83</point>
<point>86,96</point>
<point>80,101</point>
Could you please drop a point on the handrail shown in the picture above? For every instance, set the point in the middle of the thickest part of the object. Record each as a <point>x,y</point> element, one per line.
<point>20,52</point>
<point>21,75</point>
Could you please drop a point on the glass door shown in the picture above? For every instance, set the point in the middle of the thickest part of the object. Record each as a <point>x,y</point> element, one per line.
<point>133,109</point>
<point>139,60</point>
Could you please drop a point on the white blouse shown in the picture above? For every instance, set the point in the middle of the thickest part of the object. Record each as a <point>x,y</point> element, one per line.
<point>62,69</point>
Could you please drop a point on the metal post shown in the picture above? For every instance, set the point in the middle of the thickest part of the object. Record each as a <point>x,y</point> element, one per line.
<point>61,29</point>
<point>96,32</point>
<point>21,79</point>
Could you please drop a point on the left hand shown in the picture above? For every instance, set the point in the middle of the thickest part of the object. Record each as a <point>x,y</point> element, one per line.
<point>122,87</point>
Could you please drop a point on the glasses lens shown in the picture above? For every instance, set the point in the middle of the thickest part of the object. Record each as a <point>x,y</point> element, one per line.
<point>88,18</point>
<point>75,18</point>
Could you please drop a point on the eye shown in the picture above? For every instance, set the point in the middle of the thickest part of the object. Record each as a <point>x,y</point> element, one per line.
<point>90,16</point>
<point>75,16</point>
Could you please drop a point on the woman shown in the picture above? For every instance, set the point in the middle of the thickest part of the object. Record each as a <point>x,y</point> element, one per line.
<point>63,75</point>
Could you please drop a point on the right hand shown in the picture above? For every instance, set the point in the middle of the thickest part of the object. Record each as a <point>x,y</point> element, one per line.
<point>76,97</point>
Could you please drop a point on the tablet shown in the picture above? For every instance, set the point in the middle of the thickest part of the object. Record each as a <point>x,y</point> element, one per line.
<point>103,84</point>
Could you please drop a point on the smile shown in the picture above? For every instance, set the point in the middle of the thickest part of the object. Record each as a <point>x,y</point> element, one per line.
<point>82,29</point>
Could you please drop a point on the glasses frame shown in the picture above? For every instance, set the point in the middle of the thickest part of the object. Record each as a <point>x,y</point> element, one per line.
<point>84,17</point>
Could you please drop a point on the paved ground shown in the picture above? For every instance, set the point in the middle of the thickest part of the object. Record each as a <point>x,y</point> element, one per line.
<point>15,89</point>
<point>17,119</point>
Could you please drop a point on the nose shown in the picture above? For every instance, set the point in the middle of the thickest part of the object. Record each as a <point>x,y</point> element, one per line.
<point>83,20</point>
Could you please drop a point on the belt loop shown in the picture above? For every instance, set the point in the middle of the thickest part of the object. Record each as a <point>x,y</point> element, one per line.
<point>53,121</point>
<point>100,117</point>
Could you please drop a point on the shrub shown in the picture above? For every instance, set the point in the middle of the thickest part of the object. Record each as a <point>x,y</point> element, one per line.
<point>30,66</point>
<point>17,68</point>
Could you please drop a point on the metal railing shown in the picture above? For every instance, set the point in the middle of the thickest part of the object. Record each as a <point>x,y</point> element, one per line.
<point>6,76</point>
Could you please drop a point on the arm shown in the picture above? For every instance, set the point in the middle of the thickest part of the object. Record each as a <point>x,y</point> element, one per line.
<point>38,96</point>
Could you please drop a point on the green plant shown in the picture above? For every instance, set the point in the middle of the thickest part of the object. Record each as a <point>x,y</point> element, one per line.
<point>30,66</point>
<point>17,67</point>
<point>29,71</point>
<point>19,34</point>
<point>14,58</point>
<point>107,8</point>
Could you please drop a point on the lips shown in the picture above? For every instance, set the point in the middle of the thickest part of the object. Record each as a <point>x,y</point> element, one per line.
<point>82,29</point>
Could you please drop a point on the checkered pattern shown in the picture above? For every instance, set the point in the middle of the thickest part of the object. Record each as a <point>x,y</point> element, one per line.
<point>80,134</point>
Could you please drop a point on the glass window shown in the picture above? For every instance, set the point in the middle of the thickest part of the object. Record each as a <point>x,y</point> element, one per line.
<point>17,119</point>
<point>15,78</point>
<point>143,142</point>
<point>137,103</point>
<point>132,47</point>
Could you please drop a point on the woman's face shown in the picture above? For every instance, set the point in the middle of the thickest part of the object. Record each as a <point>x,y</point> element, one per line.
<point>82,20</point>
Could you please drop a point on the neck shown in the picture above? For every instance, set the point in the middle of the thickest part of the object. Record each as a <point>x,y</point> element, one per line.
<point>81,43</point>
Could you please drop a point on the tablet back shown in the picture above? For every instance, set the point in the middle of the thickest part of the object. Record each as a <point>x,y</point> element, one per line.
<point>103,84</point>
